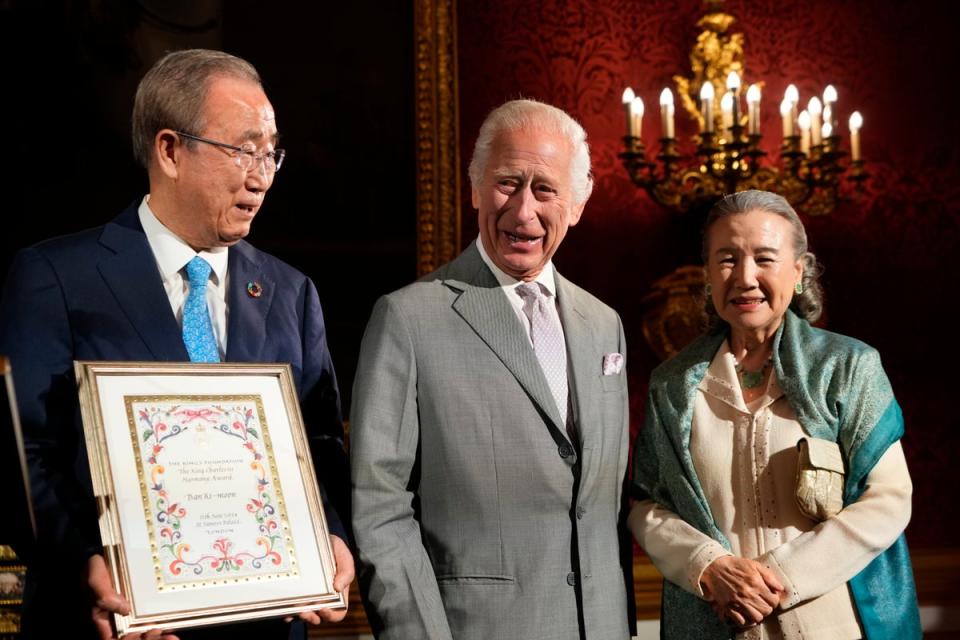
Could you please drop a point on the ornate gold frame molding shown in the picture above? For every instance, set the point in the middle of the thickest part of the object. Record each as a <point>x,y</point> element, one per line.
<point>437,134</point>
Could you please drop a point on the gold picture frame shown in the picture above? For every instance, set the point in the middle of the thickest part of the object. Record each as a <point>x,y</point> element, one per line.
<point>210,510</point>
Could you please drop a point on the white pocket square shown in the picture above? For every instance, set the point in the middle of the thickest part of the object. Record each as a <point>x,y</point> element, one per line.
<point>612,364</point>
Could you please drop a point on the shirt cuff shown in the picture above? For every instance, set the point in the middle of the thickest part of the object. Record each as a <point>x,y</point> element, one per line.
<point>700,560</point>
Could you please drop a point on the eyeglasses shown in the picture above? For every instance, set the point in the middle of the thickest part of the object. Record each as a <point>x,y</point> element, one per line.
<point>245,156</point>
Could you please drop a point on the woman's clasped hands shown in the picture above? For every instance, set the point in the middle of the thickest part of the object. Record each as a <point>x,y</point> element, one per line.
<point>741,591</point>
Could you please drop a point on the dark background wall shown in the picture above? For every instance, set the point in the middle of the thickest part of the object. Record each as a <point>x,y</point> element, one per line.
<point>343,209</point>
<point>891,270</point>
<point>340,76</point>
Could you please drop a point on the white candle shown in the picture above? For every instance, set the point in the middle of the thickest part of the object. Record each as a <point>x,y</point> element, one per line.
<point>793,97</point>
<point>706,106</point>
<point>856,121</point>
<point>826,130</point>
<point>733,86</point>
<point>815,109</point>
<point>804,121</point>
<point>628,97</point>
<point>636,110</point>
<point>753,110</point>
<point>726,110</point>
<point>829,105</point>
<point>666,113</point>
<point>786,109</point>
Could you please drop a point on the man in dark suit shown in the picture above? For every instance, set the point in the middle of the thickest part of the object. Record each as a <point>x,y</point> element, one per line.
<point>205,131</point>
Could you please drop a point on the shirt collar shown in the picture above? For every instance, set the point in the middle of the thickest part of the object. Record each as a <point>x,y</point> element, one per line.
<point>546,278</point>
<point>171,253</point>
<point>722,382</point>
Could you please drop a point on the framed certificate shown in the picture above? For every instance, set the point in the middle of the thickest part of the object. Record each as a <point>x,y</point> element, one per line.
<point>209,506</point>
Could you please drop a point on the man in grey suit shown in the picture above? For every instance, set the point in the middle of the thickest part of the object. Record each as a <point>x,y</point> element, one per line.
<point>489,437</point>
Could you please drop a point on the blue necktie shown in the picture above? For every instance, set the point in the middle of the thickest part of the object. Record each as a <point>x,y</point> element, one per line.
<point>197,330</point>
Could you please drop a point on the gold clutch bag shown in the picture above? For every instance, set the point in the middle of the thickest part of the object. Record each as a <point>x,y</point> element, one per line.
<point>819,478</point>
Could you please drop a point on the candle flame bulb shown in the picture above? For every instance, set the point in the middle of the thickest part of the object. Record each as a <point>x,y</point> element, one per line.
<point>726,102</point>
<point>791,94</point>
<point>753,93</point>
<point>829,94</point>
<point>804,120</point>
<point>785,107</point>
<point>856,121</point>
<point>628,95</point>
<point>666,97</point>
<point>733,81</point>
<point>826,130</point>
<point>637,104</point>
<point>814,106</point>
<point>706,91</point>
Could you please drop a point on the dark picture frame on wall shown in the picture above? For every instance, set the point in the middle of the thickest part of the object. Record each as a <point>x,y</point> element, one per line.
<point>19,527</point>
<point>18,530</point>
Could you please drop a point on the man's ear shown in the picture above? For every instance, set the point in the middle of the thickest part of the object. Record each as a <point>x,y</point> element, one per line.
<point>166,153</point>
<point>576,212</point>
<point>475,197</point>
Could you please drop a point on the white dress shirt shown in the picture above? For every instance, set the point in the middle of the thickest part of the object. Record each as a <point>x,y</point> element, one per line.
<point>746,460</point>
<point>509,284</point>
<point>172,255</point>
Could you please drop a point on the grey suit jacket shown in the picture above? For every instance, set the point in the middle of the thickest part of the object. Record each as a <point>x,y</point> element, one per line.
<point>474,515</point>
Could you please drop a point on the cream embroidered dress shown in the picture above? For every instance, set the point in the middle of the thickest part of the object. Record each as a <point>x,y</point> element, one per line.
<point>746,461</point>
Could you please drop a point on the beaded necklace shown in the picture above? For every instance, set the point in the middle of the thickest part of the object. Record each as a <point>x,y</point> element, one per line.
<point>753,379</point>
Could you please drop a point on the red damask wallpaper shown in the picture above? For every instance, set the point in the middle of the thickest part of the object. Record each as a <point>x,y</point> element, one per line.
<point>890,256</point>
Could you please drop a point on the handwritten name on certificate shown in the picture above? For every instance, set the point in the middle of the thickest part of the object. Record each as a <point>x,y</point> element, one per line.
<point>211,494</point>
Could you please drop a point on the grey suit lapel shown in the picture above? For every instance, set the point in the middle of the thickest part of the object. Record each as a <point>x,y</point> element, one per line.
<point>582,368</point>
<point>483,305</point>
<point>247,325</point>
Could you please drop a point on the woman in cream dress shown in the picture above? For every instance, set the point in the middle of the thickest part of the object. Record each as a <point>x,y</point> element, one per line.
<point>715,468</point>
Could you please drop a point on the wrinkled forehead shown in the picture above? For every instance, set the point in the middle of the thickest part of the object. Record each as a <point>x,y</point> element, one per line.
<point>530,151</point>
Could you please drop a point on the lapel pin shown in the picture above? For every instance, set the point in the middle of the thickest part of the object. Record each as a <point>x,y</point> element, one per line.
<point>254,290</point>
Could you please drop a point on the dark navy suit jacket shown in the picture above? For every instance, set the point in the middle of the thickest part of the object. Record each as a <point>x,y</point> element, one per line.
<point>98,295</point>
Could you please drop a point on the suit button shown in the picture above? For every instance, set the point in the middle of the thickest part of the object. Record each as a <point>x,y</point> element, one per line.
<point>565,450</point>
<point>571,578</point>
<point>580,512</point>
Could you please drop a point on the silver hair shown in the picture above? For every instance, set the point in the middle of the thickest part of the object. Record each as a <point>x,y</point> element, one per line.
<point>809,304</point>
<point>173,94</point>
<point>531,114</point>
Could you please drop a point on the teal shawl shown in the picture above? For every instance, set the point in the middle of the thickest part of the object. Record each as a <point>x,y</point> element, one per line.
<point>839,391</point>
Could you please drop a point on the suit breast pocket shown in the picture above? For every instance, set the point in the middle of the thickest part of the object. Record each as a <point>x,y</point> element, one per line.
<point>612,383</point>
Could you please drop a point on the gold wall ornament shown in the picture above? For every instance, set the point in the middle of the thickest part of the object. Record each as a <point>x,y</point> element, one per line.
<point>714,56</point>
<point>673,311</point>
<point>728,157</point>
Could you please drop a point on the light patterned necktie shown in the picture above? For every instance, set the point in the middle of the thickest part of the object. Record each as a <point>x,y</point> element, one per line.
<point>547,338</point>
<point>197,330</point>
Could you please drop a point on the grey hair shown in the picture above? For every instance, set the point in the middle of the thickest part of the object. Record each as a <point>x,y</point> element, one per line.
<point>809,304</point>
<point>531,114</point>
<point>173,93</point>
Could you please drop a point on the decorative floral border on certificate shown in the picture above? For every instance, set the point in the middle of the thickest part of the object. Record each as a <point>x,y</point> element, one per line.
<point>259,545</point>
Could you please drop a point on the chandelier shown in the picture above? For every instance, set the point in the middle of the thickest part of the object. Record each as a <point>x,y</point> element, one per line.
<point>811,165</point>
